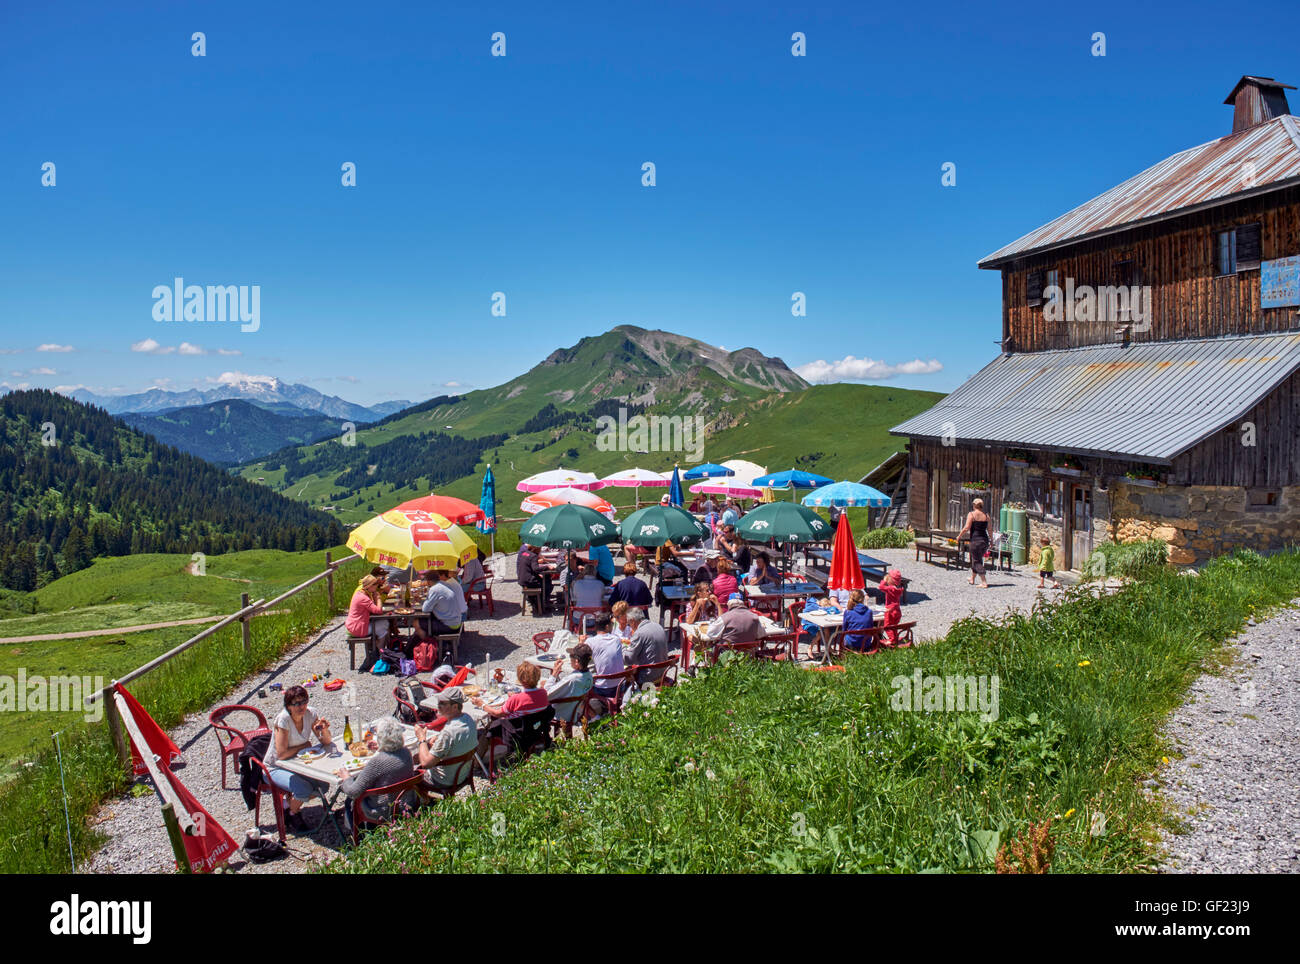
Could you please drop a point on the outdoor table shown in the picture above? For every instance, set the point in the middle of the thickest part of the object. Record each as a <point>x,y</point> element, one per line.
<point>784,590</point>
<point>693,633</point>
<point>677,596</point>
<point>320,773</point>
<point>827,623</point>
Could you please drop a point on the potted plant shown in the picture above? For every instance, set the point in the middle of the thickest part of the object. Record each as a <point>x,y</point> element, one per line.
<point>977,488</point>
<point>1017,458</point>
<point>1143,477</point>
<point>1067,465</point>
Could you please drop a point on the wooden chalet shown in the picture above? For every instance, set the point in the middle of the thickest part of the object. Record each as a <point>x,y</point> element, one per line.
<point>1147,386</point>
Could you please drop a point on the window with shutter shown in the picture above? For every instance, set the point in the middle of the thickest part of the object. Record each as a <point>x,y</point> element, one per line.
<point>1248,247</point>
<point>1034,288</point>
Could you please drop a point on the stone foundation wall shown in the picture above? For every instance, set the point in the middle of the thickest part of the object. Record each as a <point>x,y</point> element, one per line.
<point>1202,521</point>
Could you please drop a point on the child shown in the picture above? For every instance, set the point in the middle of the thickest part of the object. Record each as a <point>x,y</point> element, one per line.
<point>1046,559</point>
<point>826,605</point>
<point>892,588</point>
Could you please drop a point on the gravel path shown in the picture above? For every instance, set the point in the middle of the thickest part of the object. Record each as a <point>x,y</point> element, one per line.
<point>1234,793</point>
<point>138,844</point>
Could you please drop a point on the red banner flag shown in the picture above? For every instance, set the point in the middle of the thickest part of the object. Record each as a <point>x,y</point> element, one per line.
<point>160,743</point>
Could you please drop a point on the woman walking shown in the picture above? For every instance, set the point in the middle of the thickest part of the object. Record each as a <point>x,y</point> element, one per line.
<point>977,524</point>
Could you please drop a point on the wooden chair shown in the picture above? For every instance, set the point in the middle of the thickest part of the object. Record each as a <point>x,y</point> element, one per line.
<point>539,610</point>
<point>236,740</point>
<point>354,642</point>
<point>401,792</point>
<point>452,642</point>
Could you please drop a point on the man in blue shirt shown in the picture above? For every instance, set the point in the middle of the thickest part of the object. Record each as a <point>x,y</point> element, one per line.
<point>442,606</point>
<point>604,562</point>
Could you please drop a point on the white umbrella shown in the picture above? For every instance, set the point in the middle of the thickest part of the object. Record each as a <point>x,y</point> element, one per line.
<point>559,478</point>
<point>637,478</point>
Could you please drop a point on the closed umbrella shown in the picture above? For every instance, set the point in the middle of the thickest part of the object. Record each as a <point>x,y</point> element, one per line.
<point>487,503</point>
<point>846,572</point>
<point>675,489</point>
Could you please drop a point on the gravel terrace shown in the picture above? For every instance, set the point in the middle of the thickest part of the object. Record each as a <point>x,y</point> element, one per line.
<point>138,844</point>
<point>1233,794</point>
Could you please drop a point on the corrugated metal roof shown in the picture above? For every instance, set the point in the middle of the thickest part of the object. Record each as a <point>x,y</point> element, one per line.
<point>1201,176</point>
<point>1149,401</point>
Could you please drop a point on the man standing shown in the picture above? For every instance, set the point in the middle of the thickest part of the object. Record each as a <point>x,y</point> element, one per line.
<point>649,645</point>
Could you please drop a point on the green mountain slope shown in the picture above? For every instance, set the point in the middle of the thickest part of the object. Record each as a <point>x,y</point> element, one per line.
<point>232,431</point>
<point>76,484</point>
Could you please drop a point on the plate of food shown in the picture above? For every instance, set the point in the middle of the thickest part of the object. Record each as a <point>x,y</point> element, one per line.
<point>311,754</point>
<point>353,766</point>
<point>547,657</point>
<point>359,750</point>
<point>470,690</point>
<point>403,611</point>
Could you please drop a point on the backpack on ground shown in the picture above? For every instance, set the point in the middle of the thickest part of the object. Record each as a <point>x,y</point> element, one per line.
<point>426,656</point>
<point>412,691</point>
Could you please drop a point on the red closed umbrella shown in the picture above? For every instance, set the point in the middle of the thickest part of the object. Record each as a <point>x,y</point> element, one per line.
<point>846,572</point>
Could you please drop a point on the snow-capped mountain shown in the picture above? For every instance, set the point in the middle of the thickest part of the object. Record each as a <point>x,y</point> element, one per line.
<point>263,390</point>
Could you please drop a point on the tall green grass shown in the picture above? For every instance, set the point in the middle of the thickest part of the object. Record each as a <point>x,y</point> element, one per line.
<point>763,767</point>
<point>1126,559</point>
<point>33,837</point>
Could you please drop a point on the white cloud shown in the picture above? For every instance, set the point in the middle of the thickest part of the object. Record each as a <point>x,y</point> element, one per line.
<point>229,351</point>
<point>41,371</point>
<point>850,369</point>
<point>451,385</point>
<point>20,386</point>
<point>151,347</point>
<point>10,351</point>
<point>188,349</point>
<point>52,347</point>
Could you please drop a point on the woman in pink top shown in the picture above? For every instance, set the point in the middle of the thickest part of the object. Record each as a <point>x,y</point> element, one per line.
<point>367,602</point>
<point>724,584</point>
<point>532,700</point>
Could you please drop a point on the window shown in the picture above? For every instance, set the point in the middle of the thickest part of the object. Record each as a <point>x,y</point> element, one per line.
<point>1034,495</point>
<point>1034,288</point>
<point>1237,249</point>
<point>1262,498</point>
<point>1055,499</point>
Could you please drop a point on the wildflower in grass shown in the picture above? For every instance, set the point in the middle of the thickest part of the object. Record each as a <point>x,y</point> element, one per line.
<point>710,774</point>
<point>1068,813</point>
<point>689,766</point>
<point>1086,662</point>
<point>1164,759</point>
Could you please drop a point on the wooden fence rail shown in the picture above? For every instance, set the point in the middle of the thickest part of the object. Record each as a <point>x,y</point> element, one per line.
<point>243,616</point>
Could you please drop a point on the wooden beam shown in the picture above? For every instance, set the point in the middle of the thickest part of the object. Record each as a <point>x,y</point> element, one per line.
<point>164,786</point>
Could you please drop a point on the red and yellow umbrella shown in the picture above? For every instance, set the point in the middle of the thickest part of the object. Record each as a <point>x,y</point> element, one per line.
<point>403,538</point>
<point>846,571</point>
<point>453,510</point>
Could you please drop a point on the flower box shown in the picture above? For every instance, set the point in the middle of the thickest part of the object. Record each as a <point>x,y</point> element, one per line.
<point>1145,483</point>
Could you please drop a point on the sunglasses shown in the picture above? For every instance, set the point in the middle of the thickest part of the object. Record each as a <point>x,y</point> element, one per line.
<point>298,703</point>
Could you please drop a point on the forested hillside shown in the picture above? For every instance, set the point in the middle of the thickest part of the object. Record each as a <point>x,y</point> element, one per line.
<point>75,483</point>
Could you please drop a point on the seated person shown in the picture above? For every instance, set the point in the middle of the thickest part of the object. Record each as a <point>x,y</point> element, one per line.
<point>458,736</point>
<point>703,606</point>
<point>671,569</point>
<point>367,602</point>
<point>293,730</point>
<point>697,504</point>
<point>730,514</point>
<point>532,700</point>
<point>621,628</point>
<point>739,625</point>
<point>603,560</point>
<point>532,574</point>
<point>761,572</point>
<point>443,604</point>
<point>568,680</point>
<point>391,764</point>
<point>727,542</point>
<point>649,645</point>
<point>473,573</point>
<point>587,592</point>
<point>724,584</point>
<point>826,605</point>
<point>857,617</point>
<point>630,589</point>
<point>607,654</point>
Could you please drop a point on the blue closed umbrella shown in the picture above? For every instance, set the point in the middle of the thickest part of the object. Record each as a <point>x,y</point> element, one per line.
<point>675,489</point>
<point>847,495</point>
<point>709,470</point>
<point>487,501</point>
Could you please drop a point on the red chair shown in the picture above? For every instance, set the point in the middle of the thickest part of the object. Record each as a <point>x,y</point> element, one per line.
<point>542,641</point>
<point>795,610</point>
<point>581,612</point>
<point>664,678</point>
<point>401,802</point>
<point>748,649</point>
<point>277,799</point>
<point>769,606</point>
<point>568,710</point>
<point>236,740</point>
<point>611,703</point>
<point>454,763</point>
<point>481,590</point>
<point>417,713</point>
<point>778,648</point>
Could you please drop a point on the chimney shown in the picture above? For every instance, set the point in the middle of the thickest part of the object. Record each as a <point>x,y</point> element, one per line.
<point>1256,100</point>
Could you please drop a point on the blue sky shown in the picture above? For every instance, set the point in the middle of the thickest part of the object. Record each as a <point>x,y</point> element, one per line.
<point>522,174</point>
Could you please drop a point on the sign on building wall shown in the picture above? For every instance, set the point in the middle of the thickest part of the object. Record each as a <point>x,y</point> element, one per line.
<point>1279,282</point>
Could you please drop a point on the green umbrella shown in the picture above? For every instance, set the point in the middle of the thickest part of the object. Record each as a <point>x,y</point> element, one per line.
<point>783,522</point>
<point>657,524</point>
<point>568,527</point>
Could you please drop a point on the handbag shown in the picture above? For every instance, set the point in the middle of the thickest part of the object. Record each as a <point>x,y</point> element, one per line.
<point>407,667</point>
<point>381,667</point>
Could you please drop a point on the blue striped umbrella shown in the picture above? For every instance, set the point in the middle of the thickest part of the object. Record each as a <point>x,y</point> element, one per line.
<point>793,479</point>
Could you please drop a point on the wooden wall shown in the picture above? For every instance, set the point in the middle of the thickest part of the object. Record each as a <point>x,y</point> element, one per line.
<point>1177,258</point>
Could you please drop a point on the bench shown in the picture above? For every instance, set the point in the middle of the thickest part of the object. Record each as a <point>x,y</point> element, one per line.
<point>535,591</point>
<point>452,642</point>
<point>353,643</point>
<point>877,634</point>
<point>934,542</point>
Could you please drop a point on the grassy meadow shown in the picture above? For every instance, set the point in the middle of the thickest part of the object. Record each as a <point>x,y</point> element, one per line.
<point>767,767</point>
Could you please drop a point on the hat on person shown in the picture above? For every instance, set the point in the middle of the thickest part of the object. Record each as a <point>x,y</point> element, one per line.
<point>452,694</point>
<point>580,651</point>
<point>735,601</point>
<point>664,499</point>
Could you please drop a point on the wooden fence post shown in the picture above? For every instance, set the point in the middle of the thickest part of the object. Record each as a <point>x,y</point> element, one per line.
<point>115,729</point>
<point>329,583</point>
<point>244,627</point>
